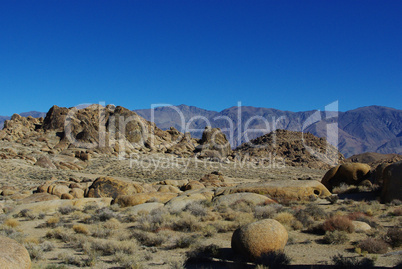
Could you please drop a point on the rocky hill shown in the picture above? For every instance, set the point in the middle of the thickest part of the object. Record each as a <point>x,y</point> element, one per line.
<point>35,114</point>
<point>67,138</point>
<point>291,148</point>
<point>366,129</point>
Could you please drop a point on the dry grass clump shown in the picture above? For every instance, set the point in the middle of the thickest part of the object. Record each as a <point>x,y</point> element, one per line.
<point>113,224</point>
<point>81,229</point>
<point>223,226</point>
<point>285,218</point>
<point>109,247</point>
<point>12,223</point>
<point>186,222</point>
<point>344,188</point>
<point>53,221</point>
<point>57,233</point>
<point>373,245</point>
<point>339,223</point>
<point>100,231</point>
<point>336,237</point>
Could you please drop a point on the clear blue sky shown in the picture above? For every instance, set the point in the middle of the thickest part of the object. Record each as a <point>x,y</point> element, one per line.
<point>291,55</point>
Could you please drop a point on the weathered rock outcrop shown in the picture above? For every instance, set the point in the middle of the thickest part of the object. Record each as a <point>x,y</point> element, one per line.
<point>392,183</point>
<point>214,144</point>
<point>349,173</point>
<point>13,255</point>
<point>290,148</point>
<point>110,187</point>
<point>258,238</point>
<point>281,190</point>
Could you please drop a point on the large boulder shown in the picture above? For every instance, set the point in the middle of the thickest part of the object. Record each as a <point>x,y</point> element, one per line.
<point>281,190</point>
<point>258,238</point>
<point>251,198</point>
<point>45,162</point>
<point>13,255</point>
<point>392,183</point>
<point>214,144</point>
<point>52,206</point>
<point>348,173</point>
<point>110,187</point>
<point>141,198</point>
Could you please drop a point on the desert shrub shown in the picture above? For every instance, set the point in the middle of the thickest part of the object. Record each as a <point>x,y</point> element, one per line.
<point>156,219</point>
<point>186,223</point>
<point>265,212</point>
<point>47,246</point>
<point>108,247</point>
<point>197,209</point>
<point>80,229</point>
<point>336,237</point>
<point>53,221</point>
<point>149,239</point>
<point>26,213</point>
<point>343,188</point>
<point>342,262</point>
<point>315,211</point>
<point>12,223</point>
<point>34,250</point>
<point>57,233</point>
<point>99,231</point>
<point>70,259</point>
<point>224,226</point>
<point>339,223</point>
<point>285,218</point>
<point>242,206</point>
<point>112,224</point>
<point>373,245</point>
<point>65,210</point>
<point>185,241</point>
<point>394,237</point>
<point>275,259</point>
<point>202,254</point>
<point>209,230</point>
<point>104,214</point>
<point>127,261</point>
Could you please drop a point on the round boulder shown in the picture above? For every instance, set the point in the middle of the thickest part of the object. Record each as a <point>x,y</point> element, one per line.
<point>13,254</point>
<point>257,238</point>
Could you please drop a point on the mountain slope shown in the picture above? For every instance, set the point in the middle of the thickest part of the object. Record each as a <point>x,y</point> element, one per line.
<point>372,128</point>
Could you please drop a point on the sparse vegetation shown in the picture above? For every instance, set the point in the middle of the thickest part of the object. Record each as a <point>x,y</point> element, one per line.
<point>373,245</point>
<point>339,223</point>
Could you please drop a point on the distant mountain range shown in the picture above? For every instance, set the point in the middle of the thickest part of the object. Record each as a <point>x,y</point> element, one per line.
<point>366,129</point>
